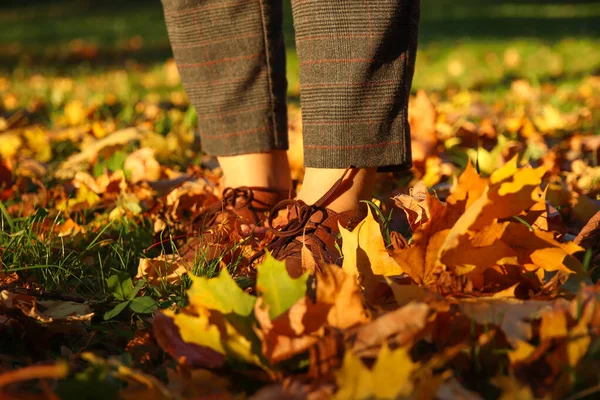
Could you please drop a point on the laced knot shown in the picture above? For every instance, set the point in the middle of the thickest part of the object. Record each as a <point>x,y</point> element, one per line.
<point>299,224</point>
<point>295,226</point>
<point>231,195</point>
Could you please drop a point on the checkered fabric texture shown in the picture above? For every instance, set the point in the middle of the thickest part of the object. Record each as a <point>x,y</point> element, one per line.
<point>356,65</point>
<point>231,58</point>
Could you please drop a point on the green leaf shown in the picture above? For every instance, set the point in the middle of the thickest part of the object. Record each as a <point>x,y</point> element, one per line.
<point>143,305</point>
<point>120,286</point>
<point>116,161</point>
<point>277,288</point>
<point>138,286</point>
<point>221,294</point>
<point>116,311</point>
<point>98,168</point>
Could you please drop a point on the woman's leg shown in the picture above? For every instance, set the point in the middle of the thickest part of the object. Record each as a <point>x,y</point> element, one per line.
<point>357,60</point>
<point>270,170</point>
<point>231,58</point>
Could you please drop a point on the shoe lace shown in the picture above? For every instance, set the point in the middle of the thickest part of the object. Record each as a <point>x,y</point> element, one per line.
<point>299,224</point>
<point>231,196</point>
<point>228,202</point>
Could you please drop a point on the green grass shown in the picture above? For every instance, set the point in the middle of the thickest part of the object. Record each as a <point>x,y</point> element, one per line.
<point>464,44</point>
<point>473,44</point>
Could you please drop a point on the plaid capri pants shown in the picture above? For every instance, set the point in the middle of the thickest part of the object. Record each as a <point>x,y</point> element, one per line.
<point>356,61</point>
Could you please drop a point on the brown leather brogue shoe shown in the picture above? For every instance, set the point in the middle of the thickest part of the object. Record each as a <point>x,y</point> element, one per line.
<point>314,226</point>
<point>250,205</point>
<point>215,226</point>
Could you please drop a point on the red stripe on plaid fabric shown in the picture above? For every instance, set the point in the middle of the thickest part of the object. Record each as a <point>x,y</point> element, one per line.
<point>223,60</point>
<point>239,133</point>
<point>343,122</point>
<point>217,41</point>
<point>222,4</point>
<point>329,61</point>
<point>336,36</point>
<point>209,116</point>
<point>354,84</point>
<point>216,82</point>
<point>357,146</point>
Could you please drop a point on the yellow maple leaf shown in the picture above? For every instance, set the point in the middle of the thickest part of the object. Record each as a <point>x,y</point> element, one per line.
<point>553,324</point>
<point>579,342</point>
<point>390,377</point>
<point>210,329</point>
<point>39,144</point>
<point>469,187</point>
<point>522,352</point>
<point>10,143</point>
<point>512,389</point>
<point>197,329</point>
<point>364,250</point>
<point>75,112</point>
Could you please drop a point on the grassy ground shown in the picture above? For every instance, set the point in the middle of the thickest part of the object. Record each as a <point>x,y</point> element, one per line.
<point>472,44</point>
<point>111,57</point>
<point>73,69</point>
<point>114,52</point>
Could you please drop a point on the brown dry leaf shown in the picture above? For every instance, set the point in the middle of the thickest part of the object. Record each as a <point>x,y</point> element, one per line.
<point>6,178</point>
<point>291,389</point>
<point>418,207</point>
<point>338,304</point>
<point>419,260</point>
<point>31,168</point>
<point>308,260</point>
<point>189,198</point>
<point>589,236</point>
<point>512,389</point>
<point>399,326</point>
<point>168,335</point>
<point>57,370</point>
<point>340,290</point>
<point>422,116</point>
<point>292,332</point>
<point>7,278</point>
<point>512,316</point>
<point>405,294</point>
<point>54,311</point>
<point>164,268</point>
<point>142,347</point>
<point>453,390</point>
<point>78,162</point>
<point>197,383</point>
<point>142,166</point>
<point>70,228</point>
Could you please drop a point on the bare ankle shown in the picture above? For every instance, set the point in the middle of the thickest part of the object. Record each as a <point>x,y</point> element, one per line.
<point>269,170</point>
<point>357,186</point>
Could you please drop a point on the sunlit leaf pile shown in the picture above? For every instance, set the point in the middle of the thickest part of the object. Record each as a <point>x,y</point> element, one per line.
<point>472,277</point>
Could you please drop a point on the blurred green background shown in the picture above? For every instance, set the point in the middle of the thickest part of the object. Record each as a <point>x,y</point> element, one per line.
<point>468,44</point>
